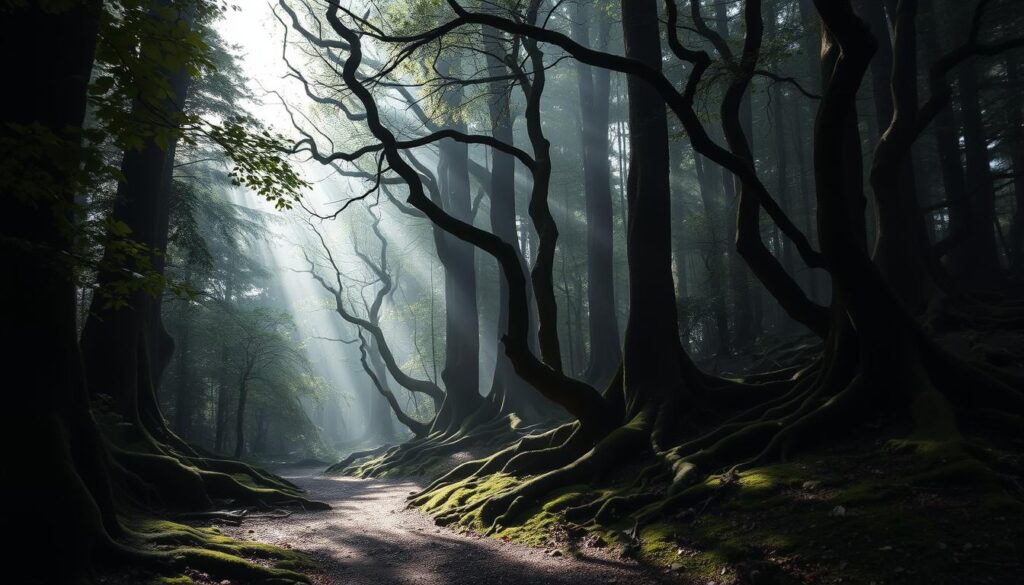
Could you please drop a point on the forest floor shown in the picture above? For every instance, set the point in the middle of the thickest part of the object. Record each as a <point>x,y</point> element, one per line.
<point>861,512</point>
<point>370,538</point>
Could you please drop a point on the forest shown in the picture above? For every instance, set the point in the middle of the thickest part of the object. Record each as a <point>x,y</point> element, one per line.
<point>716,292</point>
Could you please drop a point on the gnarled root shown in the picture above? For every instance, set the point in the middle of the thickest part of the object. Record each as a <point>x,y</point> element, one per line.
<point>484,428</point>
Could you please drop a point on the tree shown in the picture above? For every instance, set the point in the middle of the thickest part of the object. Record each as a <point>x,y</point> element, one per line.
<point>80,494</point>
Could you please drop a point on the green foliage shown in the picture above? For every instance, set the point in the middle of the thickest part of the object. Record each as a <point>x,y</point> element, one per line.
<point>142,45</point>
<point>259,160</point>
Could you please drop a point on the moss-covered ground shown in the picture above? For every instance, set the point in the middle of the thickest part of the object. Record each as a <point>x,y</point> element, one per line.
<point>869,511</point>
<point>201,555</point>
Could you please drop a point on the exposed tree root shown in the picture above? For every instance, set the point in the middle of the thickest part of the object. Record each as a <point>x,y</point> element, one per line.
<point>556,471</point>
<point>356,456</point>
<point>168,472</point>
<point>485,428</point>
<point>186,487</point>
<point>169,548</point>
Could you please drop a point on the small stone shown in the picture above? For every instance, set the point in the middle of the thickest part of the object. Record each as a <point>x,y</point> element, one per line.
<point>838,511</point>
<point>722,572</point>
<point>676,566</point>
<point>225,582</point>
<point>252,531</point>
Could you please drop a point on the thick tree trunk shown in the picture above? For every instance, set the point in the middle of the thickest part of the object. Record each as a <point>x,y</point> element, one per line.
<point>515,394</point>
<point>462,327</point>
<point>381,422</point>
<point>594,92</point>
<point>64,492</point>
<point>652,353</point>
<point>902,247</point>
<point>125,347</point>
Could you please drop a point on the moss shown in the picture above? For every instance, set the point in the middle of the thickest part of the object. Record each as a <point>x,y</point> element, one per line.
<point>208,550</point>
<point>176,580</point>
<point>246,480</point>
<point>922,506</point>
<point>571,496</point>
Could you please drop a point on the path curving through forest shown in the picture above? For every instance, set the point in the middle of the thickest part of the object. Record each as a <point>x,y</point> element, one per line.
<point>370,538</point>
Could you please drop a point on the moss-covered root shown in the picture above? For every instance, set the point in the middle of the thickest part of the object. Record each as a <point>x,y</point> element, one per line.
<point>503,509</point>
<point>416,457</point>
<point>505,459</point>
<point>345,463</point>
<point>168,547</point>
<point>186,487</point>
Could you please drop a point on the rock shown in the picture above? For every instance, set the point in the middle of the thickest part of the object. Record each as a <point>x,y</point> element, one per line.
<point>838,511</point>
<point>676,567</point>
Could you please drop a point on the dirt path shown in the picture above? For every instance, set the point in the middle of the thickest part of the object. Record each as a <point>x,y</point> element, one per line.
<point>370,538</point>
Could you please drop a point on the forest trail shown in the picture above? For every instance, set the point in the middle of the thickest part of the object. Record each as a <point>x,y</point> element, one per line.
<point>370,538</point>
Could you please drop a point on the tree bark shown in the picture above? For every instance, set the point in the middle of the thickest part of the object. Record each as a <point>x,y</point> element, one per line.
<point>66,497</point>
<point>594,86</point>
<point>902,247</point>
<point>652,353</point>
<point>462,327</point>
<point>125,348</point>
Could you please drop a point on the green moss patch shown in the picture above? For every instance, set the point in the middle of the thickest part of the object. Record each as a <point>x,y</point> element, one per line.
<point>887,512</point>
<point>184,553</point>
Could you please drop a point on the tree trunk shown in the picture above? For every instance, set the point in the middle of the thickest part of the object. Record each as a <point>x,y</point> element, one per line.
<point>243,395</point>
<point>381,421</point>
<point>902,247</point>
<point>652,353</point>
<point>125,348</point>
<point>714,255</point>
<point>66,496</point>
<point>516,396</point>
<point>594,87</point>
<point>184,395</point>
<point>462,327</point>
